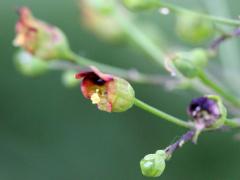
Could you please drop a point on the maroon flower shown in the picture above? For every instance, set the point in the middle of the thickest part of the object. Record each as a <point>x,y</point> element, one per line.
<point>110,93</point>
<point>39,38</point>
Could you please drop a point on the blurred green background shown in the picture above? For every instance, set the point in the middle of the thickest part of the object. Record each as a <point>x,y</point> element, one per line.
<point>48,132</point>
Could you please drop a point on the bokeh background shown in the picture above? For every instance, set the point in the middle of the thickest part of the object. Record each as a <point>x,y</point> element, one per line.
<point>49,132</point>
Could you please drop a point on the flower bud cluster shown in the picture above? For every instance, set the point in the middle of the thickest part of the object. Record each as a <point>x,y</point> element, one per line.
<point>190,63</point>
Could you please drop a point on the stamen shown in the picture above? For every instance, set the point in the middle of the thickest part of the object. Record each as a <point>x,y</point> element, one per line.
<point>19,40</point>
<point>95,97</point>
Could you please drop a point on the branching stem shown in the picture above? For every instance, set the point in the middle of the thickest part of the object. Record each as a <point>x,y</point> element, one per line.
<point>179,143</point>
<point>129,74</point>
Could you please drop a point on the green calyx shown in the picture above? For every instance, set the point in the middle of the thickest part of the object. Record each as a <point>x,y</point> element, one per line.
<point>193,28</point>
<point>49,48</point>
<point>121,95</point>
<point>153,165</point>
<point>190,63</point>
<point>222,109</point>
<point>30,65</point>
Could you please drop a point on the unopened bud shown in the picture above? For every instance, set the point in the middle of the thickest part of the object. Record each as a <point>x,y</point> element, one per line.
<point>189,63</point>
<point>193,28</point>
<point>30,65</point>
<point>68,79</point>
<point>39,38</point>
<point>153,165</point>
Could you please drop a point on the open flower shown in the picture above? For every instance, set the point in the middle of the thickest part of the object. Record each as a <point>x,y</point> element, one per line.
<point>38,38</point>
<point>207,111</point>
<point>110,93</point>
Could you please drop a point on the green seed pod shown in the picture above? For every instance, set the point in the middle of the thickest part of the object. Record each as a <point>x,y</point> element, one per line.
<point>29,65</point>
<point>189,63</point>
<point>153,165</point>
<point>141,4</point>
<point>109,93</point>
<point>69,80</point>
<point>193,28</point>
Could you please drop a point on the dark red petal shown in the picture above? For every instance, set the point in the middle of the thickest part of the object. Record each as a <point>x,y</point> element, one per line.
<point>105,77</point>
<point>24,14</point>
<point>87,88</point>
<point>83,74</point>
<point>94,72</point>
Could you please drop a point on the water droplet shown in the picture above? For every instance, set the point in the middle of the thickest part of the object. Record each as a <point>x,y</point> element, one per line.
<point>164,11</point>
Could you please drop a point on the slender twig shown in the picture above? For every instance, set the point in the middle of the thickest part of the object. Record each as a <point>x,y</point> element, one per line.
<point>162,114</point>
<point>189,136</point>
<point>179,143</point>
<point>217,19</point>
<point>140,38</point>
<point>233,123</point>
<point>220,90</point>
<point>229,54</point>
<point>218,41</point>
<point>129,74</point>
<point>178,9</point>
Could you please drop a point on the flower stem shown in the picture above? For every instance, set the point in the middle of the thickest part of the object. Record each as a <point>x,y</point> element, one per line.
<point>177,9</point>
<point>140,39</point>
<point>162,114</point>
<point>179,143</point>
<point>218,41</point>
<point>130,74</point>
<point>220,90</point>
<point>233,123</point>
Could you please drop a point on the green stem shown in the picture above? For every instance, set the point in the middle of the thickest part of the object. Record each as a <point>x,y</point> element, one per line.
<point>84,62</point>
<point>206,16</point>
<point>139,38</point>
<point>220,90</point>
<point>228,53</point>
<point>162,114</point>
<point>158,55</point>
<point>177,9</point>
<point>132,75</point>
<point>233,123</point>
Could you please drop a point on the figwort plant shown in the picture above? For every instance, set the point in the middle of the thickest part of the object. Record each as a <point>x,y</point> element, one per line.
<point>44,47</point>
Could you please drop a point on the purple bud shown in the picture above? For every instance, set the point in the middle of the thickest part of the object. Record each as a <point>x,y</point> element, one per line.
<point>204,111</point>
